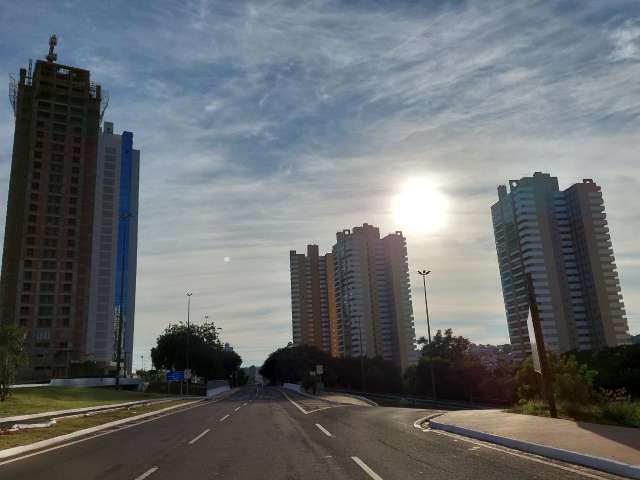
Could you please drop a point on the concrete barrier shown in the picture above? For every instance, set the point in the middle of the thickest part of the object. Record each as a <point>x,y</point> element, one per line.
<point>212,392</point>
<point>93,382</point>
<point>293,386</point>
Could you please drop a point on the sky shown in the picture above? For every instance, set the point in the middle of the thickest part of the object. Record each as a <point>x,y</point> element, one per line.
<point>265,126</point>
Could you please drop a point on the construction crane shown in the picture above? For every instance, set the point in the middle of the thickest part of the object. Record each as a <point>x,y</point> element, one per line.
<point>53,41</point>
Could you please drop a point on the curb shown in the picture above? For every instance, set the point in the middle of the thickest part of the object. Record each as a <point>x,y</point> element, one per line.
<point>418,423</point>
<point>591,461</point>
<point>364,399</point>
<point>370,402</point>
<point>72,411</point>
<point>13,451</point>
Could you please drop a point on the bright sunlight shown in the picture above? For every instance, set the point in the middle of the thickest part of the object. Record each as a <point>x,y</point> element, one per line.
<point>420,207</point>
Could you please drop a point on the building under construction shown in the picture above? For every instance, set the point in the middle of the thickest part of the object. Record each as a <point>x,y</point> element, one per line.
<point>47,259</point>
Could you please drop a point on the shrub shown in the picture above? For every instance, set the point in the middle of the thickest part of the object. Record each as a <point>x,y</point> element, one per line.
<point>622,413</point>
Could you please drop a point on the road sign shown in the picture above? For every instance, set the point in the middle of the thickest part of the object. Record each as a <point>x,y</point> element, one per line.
<point>319,369</point>
<point>177,376</point>
<point>187,373</point>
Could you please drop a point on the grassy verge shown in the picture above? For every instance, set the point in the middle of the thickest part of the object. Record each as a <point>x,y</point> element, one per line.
<point>24,401</point>
<point>621,413</point>
<point>25,437</point>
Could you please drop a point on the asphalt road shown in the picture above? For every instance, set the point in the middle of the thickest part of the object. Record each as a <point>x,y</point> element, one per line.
<point>264,434</point>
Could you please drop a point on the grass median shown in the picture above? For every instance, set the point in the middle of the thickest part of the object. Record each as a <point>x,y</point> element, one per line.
<point>64,426</point>
<point>25,401</point>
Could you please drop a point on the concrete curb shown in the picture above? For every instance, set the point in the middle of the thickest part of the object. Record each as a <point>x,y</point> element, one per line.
<point>302,392</point>
<point>13,451</point>
<point>591,461</point>
<point>72,411</point>
<point>364,399</point>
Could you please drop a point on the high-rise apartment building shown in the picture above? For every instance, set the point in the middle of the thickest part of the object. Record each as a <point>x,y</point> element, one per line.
<point>313,312</point>
<point>47,245</point>
<point>562,239</point>
<point>355,301</point>
<point>64,219</point>
<point>115,241</point>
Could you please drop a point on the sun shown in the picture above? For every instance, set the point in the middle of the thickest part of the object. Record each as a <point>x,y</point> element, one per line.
<point>420,207</point>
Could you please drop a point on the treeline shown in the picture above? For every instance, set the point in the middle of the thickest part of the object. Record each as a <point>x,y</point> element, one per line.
<point>207,357</point>
<point>461,372</point>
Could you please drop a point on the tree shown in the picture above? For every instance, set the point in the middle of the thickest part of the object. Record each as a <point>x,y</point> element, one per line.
<point>573,382</point>
<point>207,358</point>
<point>12,356</point>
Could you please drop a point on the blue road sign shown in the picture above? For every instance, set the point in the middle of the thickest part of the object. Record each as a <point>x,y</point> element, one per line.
<point>177,376</point>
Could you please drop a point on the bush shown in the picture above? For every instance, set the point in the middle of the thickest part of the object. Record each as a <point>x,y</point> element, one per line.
<point>622,413</point>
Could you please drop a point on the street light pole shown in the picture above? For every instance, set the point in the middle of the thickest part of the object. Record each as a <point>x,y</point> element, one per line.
<point>424,274</point>
<point>188,332</point>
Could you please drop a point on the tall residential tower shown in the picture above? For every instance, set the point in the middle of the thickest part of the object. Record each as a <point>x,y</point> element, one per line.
<point>355,301</point>
<point>562,239</point>
<point>115,242</point>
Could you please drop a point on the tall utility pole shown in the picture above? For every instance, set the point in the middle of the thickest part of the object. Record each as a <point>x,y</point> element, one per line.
<point>188,294</point>
<point>424,274</point>
<point>124,217</point>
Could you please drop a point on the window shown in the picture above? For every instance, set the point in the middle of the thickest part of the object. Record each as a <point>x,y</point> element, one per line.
<point>48,276</point>
<point>45,310</point>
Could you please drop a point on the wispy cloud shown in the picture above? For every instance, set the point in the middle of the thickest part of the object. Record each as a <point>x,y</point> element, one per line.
<point>265,126</point>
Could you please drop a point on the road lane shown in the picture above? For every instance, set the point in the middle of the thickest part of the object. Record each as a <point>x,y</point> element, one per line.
<point>387,441</point>
<point>270,437</point>
<point>123,454</point>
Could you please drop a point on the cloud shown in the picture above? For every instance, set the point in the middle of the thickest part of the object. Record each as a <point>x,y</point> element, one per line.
<point>267,126</point>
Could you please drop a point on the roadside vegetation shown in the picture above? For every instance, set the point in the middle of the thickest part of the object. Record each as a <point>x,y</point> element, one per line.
<point>65,426</point>
<point>460,375</point>
<point>207,356</point>
<point>601,386</point>
<point>24,401</point>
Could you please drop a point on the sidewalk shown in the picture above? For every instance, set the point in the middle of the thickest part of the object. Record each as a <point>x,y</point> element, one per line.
<point>605,447</point>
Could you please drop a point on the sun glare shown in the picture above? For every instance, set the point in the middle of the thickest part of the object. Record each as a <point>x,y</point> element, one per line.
<point>420,207</point>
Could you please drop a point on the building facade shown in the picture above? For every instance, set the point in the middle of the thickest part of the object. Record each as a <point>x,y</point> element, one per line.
<point>562,239</point>
<point>115,241</point>
<point>313,312</point>
<point>355,301</point>
<point>46,262</point>
<point>64,235</point>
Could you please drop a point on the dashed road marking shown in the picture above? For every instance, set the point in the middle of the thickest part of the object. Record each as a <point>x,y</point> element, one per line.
<point>199,436</point>
<point>366,468</point>
<point>237,408</point>
<point>147,473</point>
<point>224,418</point>
<point>324,430</point>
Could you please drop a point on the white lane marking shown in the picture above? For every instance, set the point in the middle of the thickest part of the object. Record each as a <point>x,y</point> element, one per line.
<point>324,430</point>
<point>147,473</point>
<point>238,408</point>
<point>366,468</point>
<point>245,404</point>
<point>224,418</point>
<point>108,432</point>
<point>199,436</point>
<point>307,412</point>
<point>294,403</point>
<point>529,457</point>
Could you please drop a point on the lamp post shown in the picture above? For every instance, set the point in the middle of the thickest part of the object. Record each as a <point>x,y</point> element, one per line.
<point>124,217</point>
<point>188,294</point>
<point>424,274</point>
